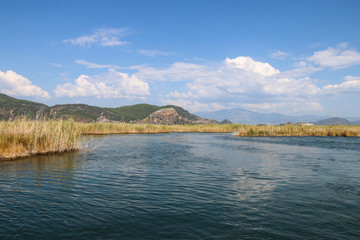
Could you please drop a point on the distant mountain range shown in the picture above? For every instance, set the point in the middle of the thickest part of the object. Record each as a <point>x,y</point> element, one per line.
<point>336,121</point>
<point>251,117</point>
<point>10,108</point>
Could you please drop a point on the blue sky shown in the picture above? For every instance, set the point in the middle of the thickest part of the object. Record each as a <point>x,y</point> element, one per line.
<point>292,57</point>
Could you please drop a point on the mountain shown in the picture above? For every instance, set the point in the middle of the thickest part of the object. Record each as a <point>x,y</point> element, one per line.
<point>171,115</point>
<point>334,121</point>
<point>85,113</point>
<point>249,117</point>
<point>10,108</point>
<point>355,123</point>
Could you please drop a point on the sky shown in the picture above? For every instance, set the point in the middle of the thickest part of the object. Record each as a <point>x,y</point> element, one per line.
<point>284,56</point>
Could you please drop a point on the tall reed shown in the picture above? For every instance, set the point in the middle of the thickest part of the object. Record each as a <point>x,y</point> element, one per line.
<point>129,128</point>
<point>22,137</point>
<point>295,130</point>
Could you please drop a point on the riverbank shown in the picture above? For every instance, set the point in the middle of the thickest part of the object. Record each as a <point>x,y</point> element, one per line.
<point>23,138</point>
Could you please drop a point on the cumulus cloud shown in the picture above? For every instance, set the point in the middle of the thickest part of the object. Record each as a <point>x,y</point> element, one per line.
<point>195,106</point>
<point>238,76</point>
<point>279,55</point>
<point>249,65</point>
<point>294,106</point>
<point>336,58</point>
<point>238,79</point>
<point>105,37</point>
<point>351,85</point>
<point>15,84</point>
<point>112,84</point>
<point>301,69</point>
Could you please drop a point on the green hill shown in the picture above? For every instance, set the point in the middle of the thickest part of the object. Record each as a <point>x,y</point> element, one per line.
<point>136,112</point>
<point>11,108</point>
<point>84,113</point>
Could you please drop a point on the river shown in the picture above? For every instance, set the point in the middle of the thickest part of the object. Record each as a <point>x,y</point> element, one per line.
<point>186,186</point>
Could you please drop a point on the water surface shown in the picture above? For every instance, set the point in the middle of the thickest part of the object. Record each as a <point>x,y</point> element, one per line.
<point>187,186</point>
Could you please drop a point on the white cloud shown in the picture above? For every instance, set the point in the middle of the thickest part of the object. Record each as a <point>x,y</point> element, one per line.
<point>106,37</point>
<point>95,65</point>
<point>351,85</point>
<point>112,84</point>
<point>336,58</point>
<point>194,106</point>
<point>248,64</point>
<point>178,71</point>
<point>239,76</point>
<point>154,53</point>
<point>295,106</point>
<point>279,55</point>
<point>15,84</point>
<point>242,80</point>
<point>301,69</point>
<point>239,79</point>
<point>57,65</point>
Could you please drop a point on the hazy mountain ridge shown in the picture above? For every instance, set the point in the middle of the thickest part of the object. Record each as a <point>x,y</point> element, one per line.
<point>335,121</point>
<point>249,117</point>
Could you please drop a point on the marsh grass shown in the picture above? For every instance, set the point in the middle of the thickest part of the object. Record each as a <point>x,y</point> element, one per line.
<point>295,130</point>
<point>22,137</point>
<point>239,129</point>
<point>128,128</point>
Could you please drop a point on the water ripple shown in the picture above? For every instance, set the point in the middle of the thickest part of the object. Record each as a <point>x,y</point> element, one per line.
<point>187,186</point>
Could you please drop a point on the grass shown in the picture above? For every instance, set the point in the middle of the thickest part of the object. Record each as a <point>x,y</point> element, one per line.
<point>128,128</point>
<point>295,130</point>
<point>22,137</point>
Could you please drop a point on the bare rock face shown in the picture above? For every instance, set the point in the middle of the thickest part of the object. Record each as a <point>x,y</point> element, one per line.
<point>165,116</point>
<point>169,116</point>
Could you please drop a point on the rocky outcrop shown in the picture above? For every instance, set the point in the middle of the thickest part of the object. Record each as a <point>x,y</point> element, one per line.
<point>169,116</point>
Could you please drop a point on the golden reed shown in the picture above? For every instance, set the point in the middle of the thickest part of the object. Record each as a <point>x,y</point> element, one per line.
<point>22,137</point>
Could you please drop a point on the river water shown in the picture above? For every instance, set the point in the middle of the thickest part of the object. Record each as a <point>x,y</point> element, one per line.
<point>186,186</point>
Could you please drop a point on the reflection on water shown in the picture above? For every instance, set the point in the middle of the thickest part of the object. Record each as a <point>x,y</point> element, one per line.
<point>186,186</point>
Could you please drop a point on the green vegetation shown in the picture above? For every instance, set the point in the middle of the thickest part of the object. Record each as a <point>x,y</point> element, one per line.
<point>11,107</point>
<point>136,112</point>
<point>84,113</point>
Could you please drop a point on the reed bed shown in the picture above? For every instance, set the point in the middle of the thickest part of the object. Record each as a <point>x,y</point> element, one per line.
<point>295,130</point>
<point>128,128</point>
<point>22,137</point>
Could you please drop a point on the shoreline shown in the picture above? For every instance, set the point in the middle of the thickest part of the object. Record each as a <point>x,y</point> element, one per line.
<point>27,138</point>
